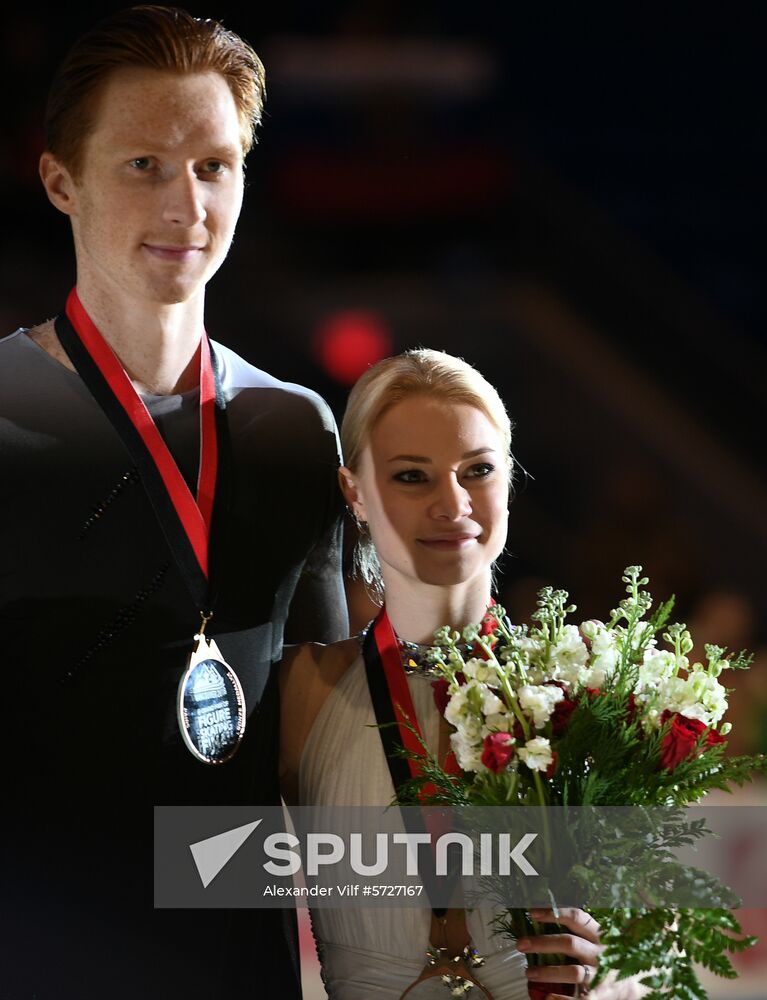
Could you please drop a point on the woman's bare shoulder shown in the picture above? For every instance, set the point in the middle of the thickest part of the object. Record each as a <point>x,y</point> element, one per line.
<point>313,662</point>
<point>308,674</point>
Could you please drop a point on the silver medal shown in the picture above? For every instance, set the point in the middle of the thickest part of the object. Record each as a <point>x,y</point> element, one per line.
<point>211,704</point>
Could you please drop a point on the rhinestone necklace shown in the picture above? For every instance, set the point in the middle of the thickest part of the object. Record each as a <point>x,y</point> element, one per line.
<point>415,655</point>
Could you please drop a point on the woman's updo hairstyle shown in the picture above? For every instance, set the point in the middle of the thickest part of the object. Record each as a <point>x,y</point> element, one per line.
<point>420,372</point>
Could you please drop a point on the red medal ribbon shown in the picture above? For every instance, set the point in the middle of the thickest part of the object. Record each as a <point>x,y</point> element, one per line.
<point>402,701</point>
<point>195,516</point>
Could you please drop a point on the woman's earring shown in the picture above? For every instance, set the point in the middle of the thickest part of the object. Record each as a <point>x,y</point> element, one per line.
<point>359,524</point>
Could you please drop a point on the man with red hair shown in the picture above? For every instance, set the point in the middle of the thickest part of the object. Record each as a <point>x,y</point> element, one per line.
<point>166,504</point>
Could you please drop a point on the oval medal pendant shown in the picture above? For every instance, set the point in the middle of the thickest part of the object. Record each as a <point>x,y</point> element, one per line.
<point>211,705</point>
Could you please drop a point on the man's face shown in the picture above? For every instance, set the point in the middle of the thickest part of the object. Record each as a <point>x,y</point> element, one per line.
<point>155,205</point>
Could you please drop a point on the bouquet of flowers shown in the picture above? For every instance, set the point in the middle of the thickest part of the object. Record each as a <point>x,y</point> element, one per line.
<point>597,714</point>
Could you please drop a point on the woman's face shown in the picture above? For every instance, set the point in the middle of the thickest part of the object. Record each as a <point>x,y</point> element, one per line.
<point>432,484</point>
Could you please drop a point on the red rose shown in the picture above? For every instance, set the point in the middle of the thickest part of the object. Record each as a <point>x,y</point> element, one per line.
<point>680,740</point>
<point>440,691</point>
<point>486,630</point>
<point>560,717</point>
<point>488,626</point>
<point>631,707</point>
<point>499,748</point>
<point>441,697</point>
<point>517,731</point>
<point>596,692</point>
<point>538,991</point>
<point>552,768</point>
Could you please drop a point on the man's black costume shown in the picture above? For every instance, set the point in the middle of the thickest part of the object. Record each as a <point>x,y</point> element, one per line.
<point>96,627</point>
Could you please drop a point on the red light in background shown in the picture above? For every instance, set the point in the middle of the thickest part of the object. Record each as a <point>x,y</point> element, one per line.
<point>347,343</point>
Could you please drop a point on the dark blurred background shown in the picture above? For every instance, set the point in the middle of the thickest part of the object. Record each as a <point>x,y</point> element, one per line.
<point>572,197</point>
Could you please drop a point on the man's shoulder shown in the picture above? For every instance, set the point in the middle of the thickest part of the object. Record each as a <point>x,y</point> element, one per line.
<point>238,376</point>
<point>13,341</point>
<point>21,358</point>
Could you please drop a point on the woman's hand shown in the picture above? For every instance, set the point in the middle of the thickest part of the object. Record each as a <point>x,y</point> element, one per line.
<point>582,944</point>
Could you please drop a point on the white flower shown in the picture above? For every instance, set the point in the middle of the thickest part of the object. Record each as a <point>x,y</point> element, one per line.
<point>538,701</point>
<point>491,703</point>
<point>472,700</point>
<point>537,673</point>
<point>528,651</point>
<point>456,707</point>
<point>568,657</point>
<point>481,670</point>
<point>711,703</point>
<point>658,665</point>
<point>470,728</point>
<point>502,722</point>
<point>468,753</point>
<point>638,634</point>
<point>530,647</point>
<point>592,628</point>
<point>464,709</point>
<point>698,696</point>
<point>673,694</point>
<point>536,753</point>
<point>605,655</point>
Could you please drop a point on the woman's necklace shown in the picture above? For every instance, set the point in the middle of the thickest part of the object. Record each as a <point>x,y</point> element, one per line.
<point>416,657</point>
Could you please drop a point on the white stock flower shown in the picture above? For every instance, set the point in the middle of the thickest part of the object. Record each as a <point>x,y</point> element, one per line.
<point>536,753</point>
<point>568,657</point>
<point>462,710</point>
<point>491,703</point>
<point>605,655</point>
<point>470,728</point>
<point>638,635</point>
<point>480,670</point>
<point>502,722</point>
<point>455,708</point>
<point>711,703</point>
<point>530,647</point>
<point>467,753</point>
<point>591,628</point>
<point>472,700</point>
<point>528,650</point>
<point>698,696</point>
<point>537,673</point>
<point>538,701</point>
<point>658,665</point>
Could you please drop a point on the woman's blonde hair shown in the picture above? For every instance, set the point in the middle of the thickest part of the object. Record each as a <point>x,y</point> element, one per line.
<point>420,372</point>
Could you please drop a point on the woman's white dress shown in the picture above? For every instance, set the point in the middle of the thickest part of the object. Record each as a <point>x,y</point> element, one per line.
<point>371,953</point>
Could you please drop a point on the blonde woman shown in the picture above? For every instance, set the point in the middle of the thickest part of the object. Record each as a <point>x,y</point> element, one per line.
<point>428,467</point>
